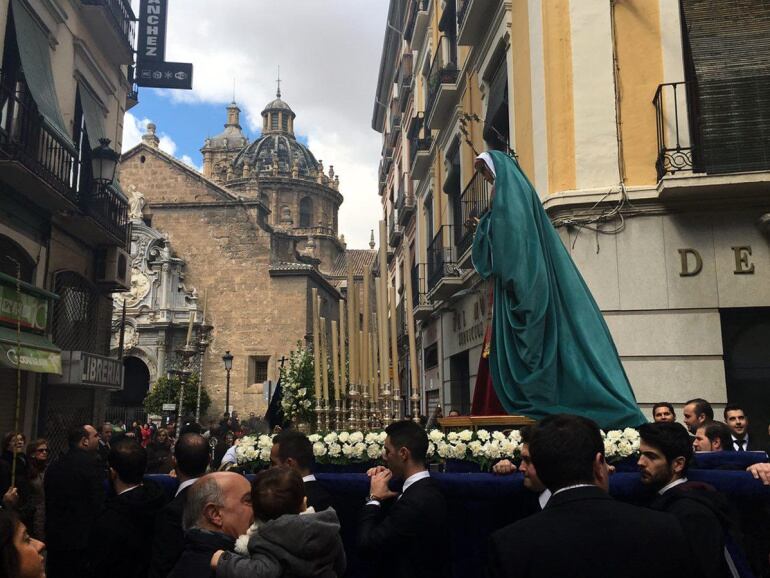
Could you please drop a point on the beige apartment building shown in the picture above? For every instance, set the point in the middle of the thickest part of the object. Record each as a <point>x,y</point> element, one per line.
<point>645,127</point>
<point>65,85</point>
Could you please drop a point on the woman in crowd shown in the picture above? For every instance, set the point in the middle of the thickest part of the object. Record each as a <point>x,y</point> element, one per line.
<point>20,555</point>
<point>146,434</point>
<point>38,453</point>
<point>159,454</point>
<point>14,443</point>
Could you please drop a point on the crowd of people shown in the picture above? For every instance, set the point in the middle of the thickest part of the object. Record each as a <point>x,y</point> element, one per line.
<point>94,512</point>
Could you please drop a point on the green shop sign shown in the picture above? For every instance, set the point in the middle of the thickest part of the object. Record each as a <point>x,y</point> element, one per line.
<point>26,305</point>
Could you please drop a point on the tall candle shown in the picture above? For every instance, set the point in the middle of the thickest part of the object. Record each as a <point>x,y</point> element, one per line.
<point>395,383</point>
<point>384,353</point>
<point>352,329</point>
<point>343,357</point>
<point>373,372</point>
<point>324,366</point>
<point>316,345</point>
<point>407,272</point>
<point>366,306</point>
<point>335,360</point>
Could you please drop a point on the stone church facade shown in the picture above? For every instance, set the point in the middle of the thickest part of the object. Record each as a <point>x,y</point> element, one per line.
<point>256,231</point>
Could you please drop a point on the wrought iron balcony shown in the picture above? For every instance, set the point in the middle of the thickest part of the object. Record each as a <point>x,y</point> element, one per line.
<point>442,260</point>
<point>674,148</point>
<point>417,25</point>
<point>420,141</point>
<point>420,304</point>
<point>473,20</point>
<point>442,82</point>
<point>405,205</point>
<point>405,79</point>
<point>32,148</point>
<point>110,209</point>
<point>395,232</point>
<point>474,202</point>
<point>115,16</point>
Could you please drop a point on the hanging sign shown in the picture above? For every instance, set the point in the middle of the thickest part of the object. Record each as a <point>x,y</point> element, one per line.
<point>164,75</point>
<point>153,17</point>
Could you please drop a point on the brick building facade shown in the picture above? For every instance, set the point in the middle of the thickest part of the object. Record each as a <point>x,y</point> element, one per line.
<point>258,231</point>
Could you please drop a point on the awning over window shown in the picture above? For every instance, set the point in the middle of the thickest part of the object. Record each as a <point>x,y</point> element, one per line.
<point>94,116</point>
<point>29,351</point>
<point>35,55</point>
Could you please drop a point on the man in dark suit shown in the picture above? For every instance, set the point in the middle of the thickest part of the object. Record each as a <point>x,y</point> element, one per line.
<point>583,532</point>
<point>218,510</point>
<point>191,455</point>
<point>105,439</point>
<point>74,495</point>
<point>292,448</point>
<point>664,456</point>
<point>736,420</point>
<point>121,538</point>
<point>405,535</point>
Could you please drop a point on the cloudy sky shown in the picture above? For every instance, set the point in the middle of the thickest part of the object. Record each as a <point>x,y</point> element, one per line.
<point>329,55</point>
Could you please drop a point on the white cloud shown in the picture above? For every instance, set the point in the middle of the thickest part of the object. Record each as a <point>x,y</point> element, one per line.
<point>188,161</point>
<point>329,54</point>
<point>134,128</point>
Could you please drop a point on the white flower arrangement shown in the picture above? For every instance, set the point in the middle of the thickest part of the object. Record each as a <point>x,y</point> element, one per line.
<point>620,444</point>
<point>297,386</point>
<point>481,447</point>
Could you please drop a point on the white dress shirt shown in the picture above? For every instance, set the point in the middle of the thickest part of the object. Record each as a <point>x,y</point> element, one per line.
<point>408,482</point>
<point>310,478</point>
<point>185,484</point>
<point>745,443</point>
<point>673,484</point>
<point>543,498</point>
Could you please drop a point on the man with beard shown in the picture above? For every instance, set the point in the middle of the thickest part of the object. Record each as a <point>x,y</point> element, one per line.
<point>665,452</point>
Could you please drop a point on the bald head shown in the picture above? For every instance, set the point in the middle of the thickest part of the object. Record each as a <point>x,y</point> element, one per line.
<point>219,502</point>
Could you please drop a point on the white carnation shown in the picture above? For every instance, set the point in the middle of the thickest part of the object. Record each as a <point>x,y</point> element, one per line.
<point>483,435</point>
<point>344,436</point>
<point>436,435</point>
<point>314,438</point>
<point>371,438</point>
<point>335,450</point>
<point>466,435</point>
<point>302,392</point>
<point>459,451</point>
<point>452,436</point>
<point>356,437</point>
<point>330,438</point>
<point>373,452</point>
<point>498,435</point>
<point>319,449</point>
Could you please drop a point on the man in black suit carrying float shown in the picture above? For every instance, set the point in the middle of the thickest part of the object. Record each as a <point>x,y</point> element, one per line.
<point>403,534</point>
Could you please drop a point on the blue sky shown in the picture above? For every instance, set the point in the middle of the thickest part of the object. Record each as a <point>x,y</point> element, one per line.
<point>329,54</point>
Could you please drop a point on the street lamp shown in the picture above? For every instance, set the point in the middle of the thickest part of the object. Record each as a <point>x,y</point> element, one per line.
<point>104,160</point>
<point>228,359</point>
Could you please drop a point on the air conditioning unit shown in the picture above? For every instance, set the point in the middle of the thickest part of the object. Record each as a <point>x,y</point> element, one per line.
<point>113,268</point>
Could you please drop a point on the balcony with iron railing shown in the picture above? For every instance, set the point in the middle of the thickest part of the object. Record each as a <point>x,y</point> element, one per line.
<point>405,79</point>
<point>37,160</point>
<point>114,24</point>
<point>420,304</point>
<point>32,151</point>
<point>675,152</point>
<point>473,18</point>
<point>442,264</point>
<point>442,83</point>
<point>475,200</point>
<point>417,25</point>
<point>420,142</point>
<point>405,204</point>
<point>395,232</point>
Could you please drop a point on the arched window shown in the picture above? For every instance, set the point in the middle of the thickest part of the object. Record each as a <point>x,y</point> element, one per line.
<point>10,254</point>
<point>306,212</point>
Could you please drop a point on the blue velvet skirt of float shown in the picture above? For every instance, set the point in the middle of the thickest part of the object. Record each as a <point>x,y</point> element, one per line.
<point>551,351</point>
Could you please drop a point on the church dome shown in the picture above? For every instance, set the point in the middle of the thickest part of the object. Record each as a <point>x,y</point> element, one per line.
<point>278,145</point>
<point>285,148</point>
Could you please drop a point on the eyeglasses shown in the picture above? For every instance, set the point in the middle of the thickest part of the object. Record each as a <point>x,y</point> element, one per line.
<point>42,450</point>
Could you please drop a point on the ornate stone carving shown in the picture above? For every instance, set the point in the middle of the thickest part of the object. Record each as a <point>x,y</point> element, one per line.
<point>136,204</point>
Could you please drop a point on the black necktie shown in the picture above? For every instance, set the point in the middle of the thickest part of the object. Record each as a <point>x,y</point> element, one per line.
<point>740,444</point>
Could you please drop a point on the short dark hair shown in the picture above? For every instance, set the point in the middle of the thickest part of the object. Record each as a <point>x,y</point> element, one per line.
<point>526,434</point>
<point>192,455</point>
<point>563,448</point>
<point>667,404</point>
<point>702,407</point>
<point>275,492</point>
<point>190,427</point>
<point>409,435</point>
<point>717,430</point>
<point>733,407</point>
<point>75,434</point>
<point>295,445</point>
<point>129,460</point>
<point>672,439</point>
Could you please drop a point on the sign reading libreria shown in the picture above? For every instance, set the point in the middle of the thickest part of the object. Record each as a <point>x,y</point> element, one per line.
<point>30,311</point>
